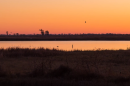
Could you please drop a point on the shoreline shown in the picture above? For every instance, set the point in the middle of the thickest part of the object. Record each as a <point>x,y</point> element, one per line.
<point>66,38</point>
<point>58,40</point>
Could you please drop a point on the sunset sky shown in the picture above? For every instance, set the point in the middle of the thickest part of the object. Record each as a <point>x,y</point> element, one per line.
<point>65,16</point>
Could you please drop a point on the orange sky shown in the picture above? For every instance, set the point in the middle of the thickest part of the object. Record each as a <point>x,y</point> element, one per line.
<point>65,16</point>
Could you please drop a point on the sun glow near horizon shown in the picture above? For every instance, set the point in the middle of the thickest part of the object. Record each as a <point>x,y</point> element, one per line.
<point>56,16</point>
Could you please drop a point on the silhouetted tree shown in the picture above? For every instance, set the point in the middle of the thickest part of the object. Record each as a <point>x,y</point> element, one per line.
<point>17,34</point>
<point>47,32</point>
<point>42,31</point>
<point>7,32</point>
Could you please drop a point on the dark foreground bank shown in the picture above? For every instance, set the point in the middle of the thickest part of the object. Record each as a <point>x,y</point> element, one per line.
<point>38,67</point>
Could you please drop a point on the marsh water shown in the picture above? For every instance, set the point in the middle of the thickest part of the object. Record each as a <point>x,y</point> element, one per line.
<point>68,45</point>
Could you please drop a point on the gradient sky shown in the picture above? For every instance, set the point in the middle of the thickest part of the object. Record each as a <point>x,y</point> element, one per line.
<point>65,16</point>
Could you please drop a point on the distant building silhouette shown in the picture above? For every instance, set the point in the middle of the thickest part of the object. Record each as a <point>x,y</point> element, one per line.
<point>47,32</point>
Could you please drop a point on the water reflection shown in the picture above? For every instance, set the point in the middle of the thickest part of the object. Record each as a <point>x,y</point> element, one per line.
<point>68,45</point>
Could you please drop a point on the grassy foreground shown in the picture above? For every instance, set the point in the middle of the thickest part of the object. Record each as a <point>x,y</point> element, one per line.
<point>44,67</point>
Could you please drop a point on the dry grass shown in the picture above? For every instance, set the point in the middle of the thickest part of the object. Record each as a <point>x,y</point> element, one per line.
<point>105,66</point>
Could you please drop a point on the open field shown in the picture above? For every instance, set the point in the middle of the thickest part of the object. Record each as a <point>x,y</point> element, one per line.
<point>66,37</point>
<point>37,67</point>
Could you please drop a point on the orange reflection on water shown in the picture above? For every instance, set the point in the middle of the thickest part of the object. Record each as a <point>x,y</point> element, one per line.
<point>67,45</point>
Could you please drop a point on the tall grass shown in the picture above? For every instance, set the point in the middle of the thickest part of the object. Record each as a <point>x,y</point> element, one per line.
<point>41,52</point>
<point>79,67</point>
<point>19,52</point>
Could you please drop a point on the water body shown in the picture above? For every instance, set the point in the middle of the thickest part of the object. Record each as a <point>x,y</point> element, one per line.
<point>68,45</point>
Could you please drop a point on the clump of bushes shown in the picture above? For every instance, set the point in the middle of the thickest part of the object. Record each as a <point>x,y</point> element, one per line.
<point>62,71</point>
<point>66,73</point>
